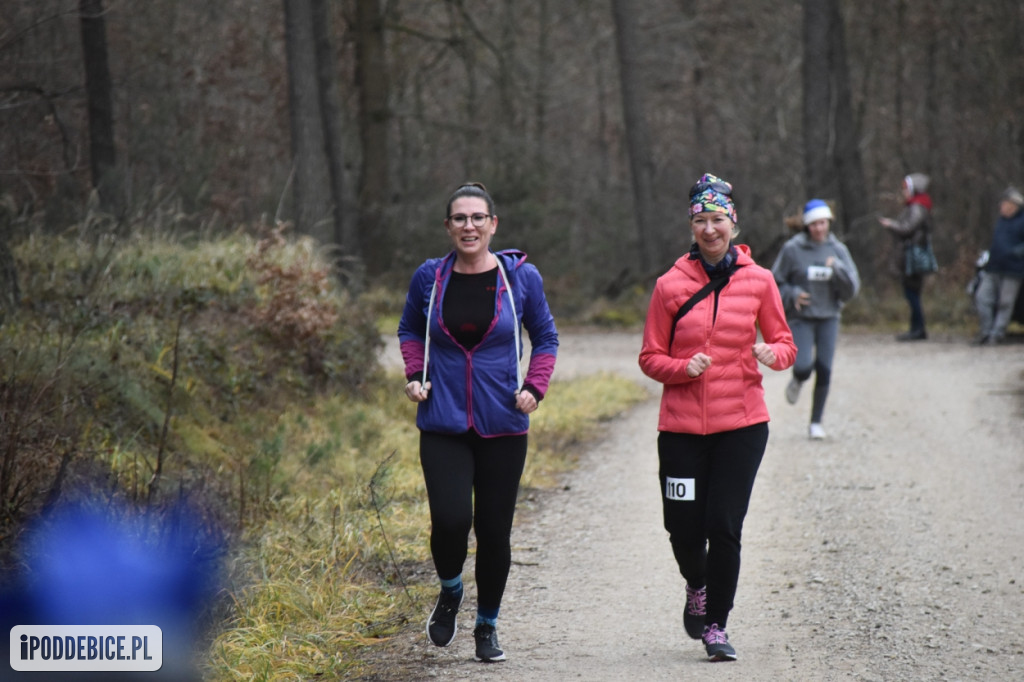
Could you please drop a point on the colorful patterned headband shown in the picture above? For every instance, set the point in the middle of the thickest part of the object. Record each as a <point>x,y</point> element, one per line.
<point>711,193</point>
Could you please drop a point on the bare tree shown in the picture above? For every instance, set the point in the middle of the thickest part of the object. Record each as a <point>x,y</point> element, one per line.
<point>344,233</point>
<point>373,83</point>
<point>10,291</point>
<point>832,161</point>
<point>819,116</point>
<point>590,167</point>
<point>311,175</point>
<point>540,93</point>
<point>98,90</point>
<point>637,135</point>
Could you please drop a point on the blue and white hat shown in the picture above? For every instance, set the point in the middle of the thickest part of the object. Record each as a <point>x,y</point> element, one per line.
<point>816,209</point>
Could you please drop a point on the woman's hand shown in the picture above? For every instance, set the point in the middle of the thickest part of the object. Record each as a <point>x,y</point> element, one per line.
<point>697,365</point>
<point>525,402</point>
<point>417,392</point>
<point>764,354</point>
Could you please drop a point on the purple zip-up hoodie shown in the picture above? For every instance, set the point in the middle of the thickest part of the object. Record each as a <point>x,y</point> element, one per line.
<point>476,389</point>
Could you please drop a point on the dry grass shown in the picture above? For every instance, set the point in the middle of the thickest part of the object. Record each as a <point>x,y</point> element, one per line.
<point>947,308</point>
<point>325,576</point>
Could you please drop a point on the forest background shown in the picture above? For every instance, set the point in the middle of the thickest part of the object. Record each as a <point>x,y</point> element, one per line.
<point>209,213</point>
<point>588,121</point>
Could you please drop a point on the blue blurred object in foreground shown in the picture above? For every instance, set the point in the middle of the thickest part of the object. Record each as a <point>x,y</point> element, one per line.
<point>113,568</point>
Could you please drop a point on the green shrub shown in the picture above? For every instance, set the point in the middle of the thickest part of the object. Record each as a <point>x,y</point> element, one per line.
<point>153,363</point>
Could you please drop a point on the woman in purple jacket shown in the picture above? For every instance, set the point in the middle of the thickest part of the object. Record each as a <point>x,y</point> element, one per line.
<point>460,339</point>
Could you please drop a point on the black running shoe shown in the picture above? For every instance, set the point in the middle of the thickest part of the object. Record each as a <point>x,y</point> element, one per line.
<point>716,644</point>
<point>913,335</point>
<point>487,649</point>
<point>443,622</point>
<point>693,616</point>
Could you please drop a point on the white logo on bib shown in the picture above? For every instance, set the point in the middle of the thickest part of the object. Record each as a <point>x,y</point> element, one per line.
<point>818,273</point>
<point>681,489</point>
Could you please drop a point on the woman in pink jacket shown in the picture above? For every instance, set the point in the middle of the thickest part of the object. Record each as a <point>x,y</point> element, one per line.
<point>701,342</point>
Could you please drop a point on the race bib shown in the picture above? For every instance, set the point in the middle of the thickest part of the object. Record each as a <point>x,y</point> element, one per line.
<point>818,273</point>
<point>681,489</point>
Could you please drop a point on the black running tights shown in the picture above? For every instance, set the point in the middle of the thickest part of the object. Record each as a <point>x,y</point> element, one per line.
<point>706,482</point>
<point>473,482</point>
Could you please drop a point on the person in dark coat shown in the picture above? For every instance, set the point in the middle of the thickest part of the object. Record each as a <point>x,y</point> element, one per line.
<point>1002,275</point>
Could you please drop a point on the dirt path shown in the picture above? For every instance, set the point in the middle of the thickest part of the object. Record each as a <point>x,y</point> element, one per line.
<point>894,550</point>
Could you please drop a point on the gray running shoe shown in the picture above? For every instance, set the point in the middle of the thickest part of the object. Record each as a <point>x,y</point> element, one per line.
<point>716,644</point>
<point>793,391</point>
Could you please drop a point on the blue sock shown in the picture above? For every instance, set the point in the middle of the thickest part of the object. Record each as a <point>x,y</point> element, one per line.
<point>487,617</point>
<point>452,585</point>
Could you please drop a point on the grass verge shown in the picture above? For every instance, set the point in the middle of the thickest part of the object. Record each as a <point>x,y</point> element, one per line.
<point>342,561</point>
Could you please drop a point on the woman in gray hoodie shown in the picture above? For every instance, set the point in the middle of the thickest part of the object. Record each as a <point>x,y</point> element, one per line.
<point>816,276</point>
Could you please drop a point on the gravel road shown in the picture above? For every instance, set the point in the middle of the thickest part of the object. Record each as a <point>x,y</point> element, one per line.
<point>893,550</point>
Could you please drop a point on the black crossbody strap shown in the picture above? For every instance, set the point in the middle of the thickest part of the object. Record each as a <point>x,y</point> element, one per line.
<point>716,284</point>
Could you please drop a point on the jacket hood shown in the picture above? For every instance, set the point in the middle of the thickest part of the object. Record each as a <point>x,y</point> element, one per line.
<point>804,240</point>
<point>510,259</point>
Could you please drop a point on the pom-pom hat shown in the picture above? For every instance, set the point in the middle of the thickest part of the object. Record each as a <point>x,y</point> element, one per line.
<point>1013,194</point>
<point>816,209</point>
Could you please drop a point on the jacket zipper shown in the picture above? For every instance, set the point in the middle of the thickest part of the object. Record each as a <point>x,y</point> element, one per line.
<point>469,390</point>
<point>707,351</point>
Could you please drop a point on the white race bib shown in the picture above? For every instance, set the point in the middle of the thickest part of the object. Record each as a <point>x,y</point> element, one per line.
<point>818,273</point>
<point>681,489</point>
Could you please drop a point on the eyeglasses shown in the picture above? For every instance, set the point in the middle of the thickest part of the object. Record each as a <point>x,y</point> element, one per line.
<point>720,187</point>
<point>478,219</point>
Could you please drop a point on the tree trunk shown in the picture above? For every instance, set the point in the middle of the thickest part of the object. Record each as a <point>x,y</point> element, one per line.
<point>312,188</point>
<point>832,161</point>
<point>99,95</point>
<point>818,116</point>
<point>514,177</point>
<point>344,233</point>
<point>540,97</point>
<point>849,167</point>
<point>637,136</point>
<point>373,81</point>
<point>10,292</point>
<point>903,109</point>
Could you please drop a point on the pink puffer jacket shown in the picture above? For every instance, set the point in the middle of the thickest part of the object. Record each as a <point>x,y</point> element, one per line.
<point>729,394</point>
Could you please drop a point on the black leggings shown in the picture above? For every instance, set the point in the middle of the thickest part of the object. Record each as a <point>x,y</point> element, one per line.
<point>706,482</point>
<point>455,466</point>
<point>912,286</point>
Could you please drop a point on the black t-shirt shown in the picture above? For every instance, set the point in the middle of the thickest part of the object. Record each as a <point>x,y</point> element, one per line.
<point>468,307</point>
